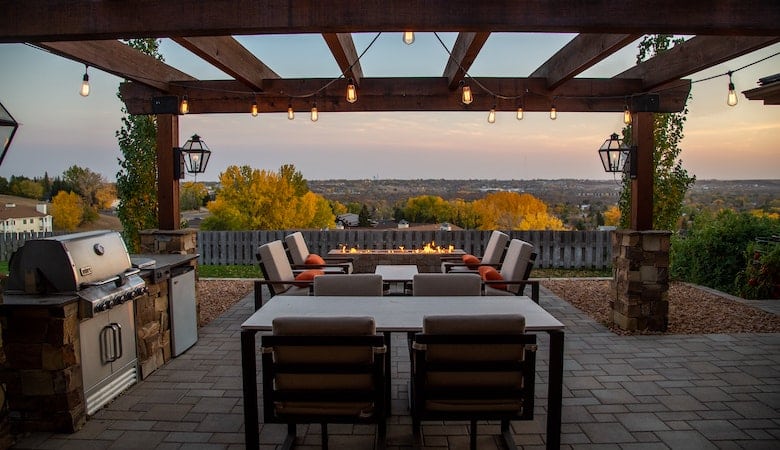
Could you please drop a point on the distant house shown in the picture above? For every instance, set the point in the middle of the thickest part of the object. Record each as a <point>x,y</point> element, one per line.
<point>24,219</point>
<point>403,224</point>
<point>348,219</point>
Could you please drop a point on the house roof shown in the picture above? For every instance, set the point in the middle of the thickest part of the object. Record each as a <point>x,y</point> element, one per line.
<point>19,212</point>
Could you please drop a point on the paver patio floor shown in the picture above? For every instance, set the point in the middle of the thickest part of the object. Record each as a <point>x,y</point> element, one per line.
<point>719,391</point>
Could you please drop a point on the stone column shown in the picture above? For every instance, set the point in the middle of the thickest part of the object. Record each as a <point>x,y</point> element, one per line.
<point>640,280</point>
<point>184,241</point>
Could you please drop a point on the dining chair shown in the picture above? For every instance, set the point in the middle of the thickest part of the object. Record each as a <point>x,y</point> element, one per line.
<point>492,256</point>
<point>302,259</point>
<point>324,370</point>
<point>278,274</point>
<point>512,278</point>
<point>452,284</point>
<point>473,368</point>
<point>356,284</point>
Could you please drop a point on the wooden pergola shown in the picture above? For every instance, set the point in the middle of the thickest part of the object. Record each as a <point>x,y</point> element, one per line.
<point>89,32</point>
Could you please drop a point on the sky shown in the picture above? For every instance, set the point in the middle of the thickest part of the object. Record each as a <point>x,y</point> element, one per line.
<point>59,128</point>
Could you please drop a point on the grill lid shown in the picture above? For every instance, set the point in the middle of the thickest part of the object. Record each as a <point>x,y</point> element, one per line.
<point>67,263</point>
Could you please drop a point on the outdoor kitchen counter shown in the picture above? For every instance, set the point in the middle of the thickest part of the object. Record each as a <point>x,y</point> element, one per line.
<point>38,300</point>
<point>163,263</point>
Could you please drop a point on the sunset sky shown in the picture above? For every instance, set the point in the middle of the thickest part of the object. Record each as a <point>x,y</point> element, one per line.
<point>59,128</point>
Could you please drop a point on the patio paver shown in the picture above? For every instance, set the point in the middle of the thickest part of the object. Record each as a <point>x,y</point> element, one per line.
<point>665,392</point>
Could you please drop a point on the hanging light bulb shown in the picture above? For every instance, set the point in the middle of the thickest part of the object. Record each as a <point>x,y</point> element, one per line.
<point>732,98</point>
<point>553,112</point>
<point>184,106</point>
<point>84,91</point>
<point>290,112</point>
<point>466,96</point>
<point>408,37</point>
<point>492,115</point>
<point>351,92</point>
<point>254,108</point>
<point>314,114</point>
<point>519,113</point>
<point>626,116</point>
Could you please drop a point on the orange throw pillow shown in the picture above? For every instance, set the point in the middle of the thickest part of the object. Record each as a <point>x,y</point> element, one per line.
<point>471,261</point>
<point>307,275</point>
<point>314,259</point>
<point>491,274</point>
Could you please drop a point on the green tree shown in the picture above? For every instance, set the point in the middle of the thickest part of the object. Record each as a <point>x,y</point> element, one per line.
<point>85,182</point>
<point>364,217</point>
<point>25,187</point>
<point>192,195</point>
<point>670,180</point>
<point>136,181</point>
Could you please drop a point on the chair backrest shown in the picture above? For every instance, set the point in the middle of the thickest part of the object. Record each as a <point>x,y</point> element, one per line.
<point>357,284</point>
<point>275,265</point>
<point>455,284</point>
<point>516,263</point>
<point>474,365</point>
<point>328,369</point>
<point>297,247</point>
<point>495,247</point>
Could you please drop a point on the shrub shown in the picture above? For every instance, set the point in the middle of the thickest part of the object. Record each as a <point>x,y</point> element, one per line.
<point>761,277</point>
<point>713,252</point>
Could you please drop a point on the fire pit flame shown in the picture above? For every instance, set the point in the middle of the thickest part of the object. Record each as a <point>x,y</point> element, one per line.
<point>427,248</point>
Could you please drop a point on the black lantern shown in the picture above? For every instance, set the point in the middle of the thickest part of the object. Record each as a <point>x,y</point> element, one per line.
<point>615,155</point>
<point>8,128</point>
<point>194,156</point>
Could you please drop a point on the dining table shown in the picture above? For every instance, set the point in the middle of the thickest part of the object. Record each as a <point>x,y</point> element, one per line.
<point>400,314</point>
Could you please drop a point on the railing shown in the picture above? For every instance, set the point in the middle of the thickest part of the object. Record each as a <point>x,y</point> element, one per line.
<point>555,249</point>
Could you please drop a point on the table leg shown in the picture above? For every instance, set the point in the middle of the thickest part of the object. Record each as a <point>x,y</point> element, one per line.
<point>249,376</point>
<point>389,375</point>
<point>555,390</point>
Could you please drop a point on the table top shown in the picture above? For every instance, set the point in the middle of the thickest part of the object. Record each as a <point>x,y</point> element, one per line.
<point>396,272</point>
<point>400,313</point>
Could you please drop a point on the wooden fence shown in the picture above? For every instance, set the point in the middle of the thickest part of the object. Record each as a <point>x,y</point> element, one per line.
<point>555,249</point>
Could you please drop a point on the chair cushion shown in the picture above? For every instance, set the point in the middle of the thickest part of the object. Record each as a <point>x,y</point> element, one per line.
<point>357,284</point>
<point>491,274</point>
<point>470,260</point>
<point>517,258</point>
<point>307,275</point>
<point>276,264</point>
<point>297,247</point>
<point>452,284</point>
<point>314,259</point>
<point>474,324</point>
<point>494,249</point>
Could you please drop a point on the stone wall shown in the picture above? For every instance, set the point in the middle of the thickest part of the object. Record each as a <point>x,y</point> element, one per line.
<point>640,281</point>
<point>153,327</point>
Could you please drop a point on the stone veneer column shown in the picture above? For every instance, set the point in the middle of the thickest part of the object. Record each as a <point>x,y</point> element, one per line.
<point>169,241</point>
<point>640,280</point>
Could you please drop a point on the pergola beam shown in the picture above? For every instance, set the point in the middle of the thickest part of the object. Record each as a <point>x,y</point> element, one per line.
<point>694,55</point>
<point>49,20</point>
<point>228,55</point>
<point>343,49</point>
<point>581,53</point>
<point>119,59</point>
<point>464,52</point>
<point>406,94</point>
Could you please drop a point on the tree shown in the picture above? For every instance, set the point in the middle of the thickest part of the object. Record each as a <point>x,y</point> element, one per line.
<point>670,180</point>
<point>192,195</point>
<point>428,208</point>
<point>105,196</point>
<point>513,211</point>
<point>85,182</point>
<point>612,216</point>
<point>25,187</point>
<point>67,210</point>
<point>364,217</point>
<point>136,181</point>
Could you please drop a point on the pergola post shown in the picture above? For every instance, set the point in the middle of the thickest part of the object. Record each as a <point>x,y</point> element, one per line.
<point>642,185</point>
<point>168,212</point>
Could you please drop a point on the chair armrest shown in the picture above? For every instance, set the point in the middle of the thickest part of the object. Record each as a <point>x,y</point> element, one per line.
<point>473,267</point>
<point>258,288</point>
<point>297,268</point>
<point>533,283</point>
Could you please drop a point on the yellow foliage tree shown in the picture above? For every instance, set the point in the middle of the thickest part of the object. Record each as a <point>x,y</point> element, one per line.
<point>105,195</point>
<point>253,199</point>
<point>67,210</point>
<point>612,216</point>
<point>513,211</point>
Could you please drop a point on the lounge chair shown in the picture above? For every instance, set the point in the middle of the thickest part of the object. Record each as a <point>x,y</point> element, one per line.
<point>302,259</point>
<point>473,368</point>
<point>515,270</point>
<point>278,274</point>
<point>492,256</point>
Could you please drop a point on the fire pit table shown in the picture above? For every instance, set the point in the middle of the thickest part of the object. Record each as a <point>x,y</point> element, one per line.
<point>427,259</point>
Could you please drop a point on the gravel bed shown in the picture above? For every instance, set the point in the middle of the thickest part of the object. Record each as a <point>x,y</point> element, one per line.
<point>691,310</point>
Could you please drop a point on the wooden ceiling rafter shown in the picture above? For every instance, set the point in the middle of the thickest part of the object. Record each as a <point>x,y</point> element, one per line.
<point>228,55</point>
<point>464,52</point>
<point>48,20</point>
<point>581,53</point>
<point>694,55</point>
<point>342,47</point>
<point>119,59</point>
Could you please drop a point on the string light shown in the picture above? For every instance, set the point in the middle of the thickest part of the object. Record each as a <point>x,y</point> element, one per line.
<point>731,100</point>
<point>492,115</point>
<point>290,112</point>
<point>254,108</point>
<point>351,92</point>
<point>314,114</point>
<point>626,115</point>
<point>553,112</point>
<point>84,91</point>
<point>184,106</point>
<point>408,37</point>
<point>466,96</point>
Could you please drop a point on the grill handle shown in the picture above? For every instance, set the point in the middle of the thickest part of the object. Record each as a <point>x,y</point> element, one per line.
<point>111,342</point>
<point>121,278</point>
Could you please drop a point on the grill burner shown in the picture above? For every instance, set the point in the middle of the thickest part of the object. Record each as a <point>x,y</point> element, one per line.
<point>112,292</point>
